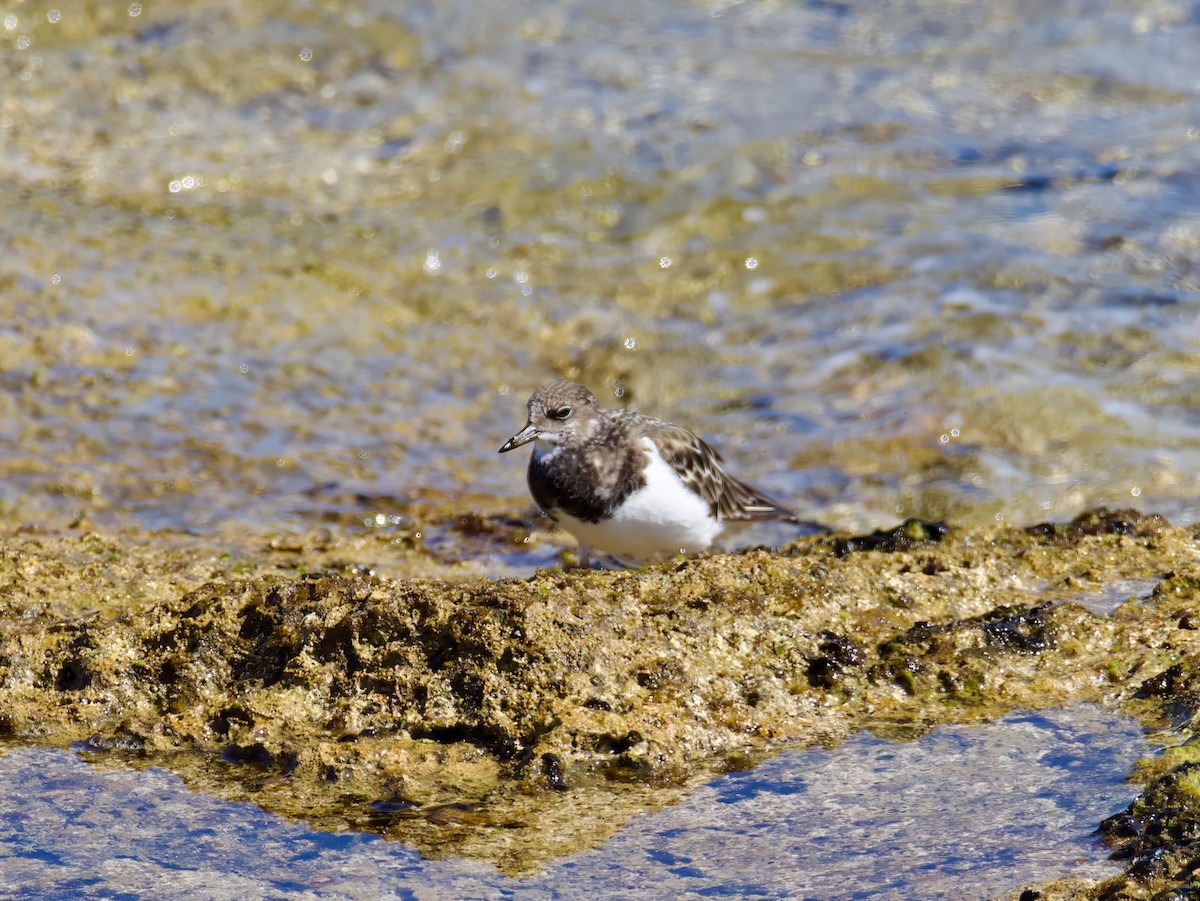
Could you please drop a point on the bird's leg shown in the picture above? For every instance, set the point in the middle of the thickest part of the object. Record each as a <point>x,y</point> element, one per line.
<point>583,556</point>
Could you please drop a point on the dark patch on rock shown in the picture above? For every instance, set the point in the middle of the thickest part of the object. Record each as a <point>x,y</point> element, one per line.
<point>255,755</point>
<point>1103,521</point>
<point>910,533</point>
<point>393,804</point>
<point>553,773</point>
<point>616,744</point>
<point>72,676</point>
<point>1149,866</point>
<point>837,654</point>
<point>1017,629</point>
<point>1167,684</point>
<point>121,739</point>
<point>957,653</point>
<point>1159,832</point>
<point>660,675</point>
<point>228,716</point>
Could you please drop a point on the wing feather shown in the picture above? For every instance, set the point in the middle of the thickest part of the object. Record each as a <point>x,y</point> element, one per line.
<point>700,467</point>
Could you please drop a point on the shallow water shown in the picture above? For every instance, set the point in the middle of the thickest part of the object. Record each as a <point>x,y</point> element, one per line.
<point>964,813</point>
<point>274,265</point>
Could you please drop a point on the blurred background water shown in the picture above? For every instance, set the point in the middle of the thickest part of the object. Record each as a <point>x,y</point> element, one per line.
<point>271,264</point>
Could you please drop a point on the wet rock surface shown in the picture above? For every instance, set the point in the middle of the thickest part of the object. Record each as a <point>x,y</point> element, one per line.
<point>519,720</point>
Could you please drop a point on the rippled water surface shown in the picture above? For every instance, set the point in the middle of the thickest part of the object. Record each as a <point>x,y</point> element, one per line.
<point>274,264</point>
<point>966,813</point>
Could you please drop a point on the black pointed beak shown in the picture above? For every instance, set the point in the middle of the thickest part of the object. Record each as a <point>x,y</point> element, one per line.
<point>527,434</point>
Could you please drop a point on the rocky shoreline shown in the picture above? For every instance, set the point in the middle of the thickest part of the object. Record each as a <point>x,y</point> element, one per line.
<point>520,720</point>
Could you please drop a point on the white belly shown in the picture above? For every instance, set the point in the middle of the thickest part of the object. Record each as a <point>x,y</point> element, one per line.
<point>662,517</point>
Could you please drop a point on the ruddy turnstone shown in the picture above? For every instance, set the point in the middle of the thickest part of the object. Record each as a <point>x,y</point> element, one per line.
<point>626,484</point>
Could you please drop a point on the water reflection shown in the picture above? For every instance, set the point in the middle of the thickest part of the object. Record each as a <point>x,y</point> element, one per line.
<point>964,813</point>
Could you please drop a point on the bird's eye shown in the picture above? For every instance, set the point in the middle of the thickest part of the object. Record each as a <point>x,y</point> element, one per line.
<point>560,413</point>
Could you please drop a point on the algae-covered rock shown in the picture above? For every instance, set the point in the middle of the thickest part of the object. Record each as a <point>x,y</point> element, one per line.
<point>521,719</point>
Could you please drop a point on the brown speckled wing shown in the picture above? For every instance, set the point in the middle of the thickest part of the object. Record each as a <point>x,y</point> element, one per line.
<point>699,466</point>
